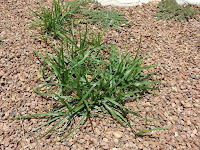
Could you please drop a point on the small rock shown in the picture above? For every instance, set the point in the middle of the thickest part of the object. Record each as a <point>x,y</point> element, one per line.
<point>176,134</point>
<point>103,143</point>
<point>183,87</point>
<point>2,34</point>
<point>5,128</point>
<point>159,35</point>
<point>187,105</point>
<point>146,144</point>
<point>189,122</point>
<point>127,137</point>
<point>131,39</point>
<point>98,132</point>
<point>152,127</point>
<point>34,120</point>
<point>174,89</point>
<point>180,109</point>
<point>65,143</point>
<point>194,131</point>
<point>189,145</point>
<point>116,141</point>
<point>87,137</point>
<point>94,124</point>
<point>117,134</point>
<point>7,114</point>
<point>106,146</point>
<point>140,146</point>
<point>196,105</point>
<point>108,133</point>
<point>192,76</point>
<point>94,141</point>
<point>132,145</point>
<point>126,145</point>
<point>166,114</point>
<point>105,140</point>
<point>81,141</point>
<point>133,118</point>
<point>173,104</point>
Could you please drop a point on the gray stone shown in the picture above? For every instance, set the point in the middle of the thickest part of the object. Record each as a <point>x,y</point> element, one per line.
<point>192,76</point>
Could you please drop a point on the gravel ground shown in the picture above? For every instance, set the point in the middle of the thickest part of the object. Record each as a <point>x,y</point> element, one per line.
<point>173,46</point>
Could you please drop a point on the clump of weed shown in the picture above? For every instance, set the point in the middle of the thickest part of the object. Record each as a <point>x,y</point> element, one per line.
<point>86,77</point>
<point>2,38</point>
<point>82,2</point>
<point>168,9</point>
<point>54,21</point>
<point>87,84</point>
<point>104,17</point>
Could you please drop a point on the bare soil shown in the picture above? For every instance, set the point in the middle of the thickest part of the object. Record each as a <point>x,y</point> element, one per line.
<point>174,46</point>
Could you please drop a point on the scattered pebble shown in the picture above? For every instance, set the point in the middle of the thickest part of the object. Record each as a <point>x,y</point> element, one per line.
<point>116,141</point>
<point>176,105</point>
<point>117,134</point>
<point>176,134</point>
<point>192,76</point>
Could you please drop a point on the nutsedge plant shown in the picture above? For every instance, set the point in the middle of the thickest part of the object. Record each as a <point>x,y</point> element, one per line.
<point>168,9</point>
<point>54,21</point>
<point>86,82</point>
<point>103,18</point>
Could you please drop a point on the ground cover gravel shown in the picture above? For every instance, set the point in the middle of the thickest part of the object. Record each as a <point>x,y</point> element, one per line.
<point>174,46</point>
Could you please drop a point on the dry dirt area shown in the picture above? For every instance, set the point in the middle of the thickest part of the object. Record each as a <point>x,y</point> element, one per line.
<point>174,46</point>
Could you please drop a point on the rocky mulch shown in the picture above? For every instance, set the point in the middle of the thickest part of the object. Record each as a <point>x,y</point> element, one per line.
<point>174,46</point>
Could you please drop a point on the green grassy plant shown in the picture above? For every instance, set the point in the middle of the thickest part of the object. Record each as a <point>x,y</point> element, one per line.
<point>55,20</point>
<point>104,17</point>
<point>86,77</point>
<point>86,84</point>
<point>82,2</point>
<point>2,38</point>
<point>168,9</point>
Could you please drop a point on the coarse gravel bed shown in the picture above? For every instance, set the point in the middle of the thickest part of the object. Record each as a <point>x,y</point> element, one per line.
<point>174,46</point>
